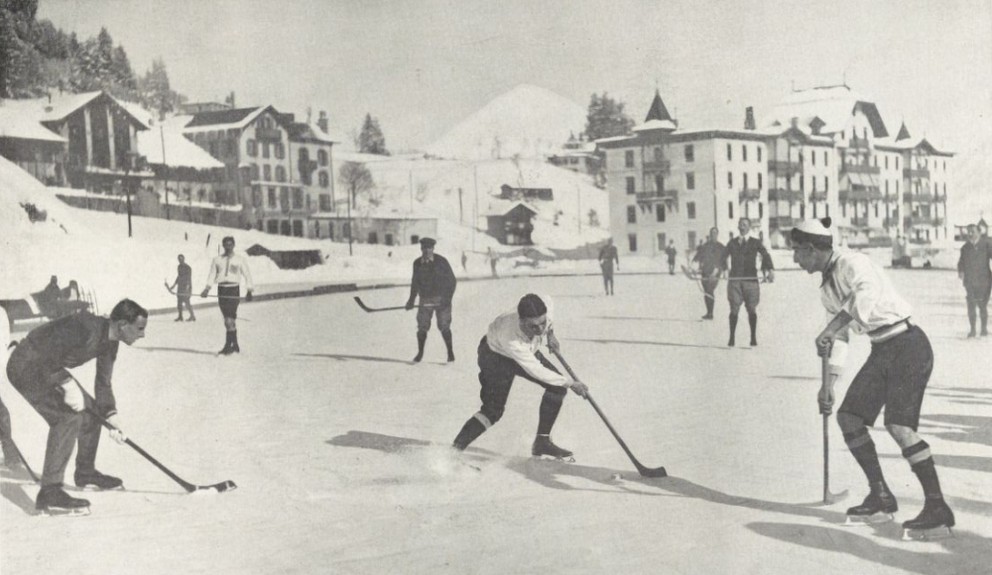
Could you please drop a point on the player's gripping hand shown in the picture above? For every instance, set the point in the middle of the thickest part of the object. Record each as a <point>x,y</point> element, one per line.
<point>205,292</point>
<point>581,389</point>
<point>248,296</point>
<point>825,398</point>
<point>117,434</point>
<point>409,305</point>
<point>73,396</point>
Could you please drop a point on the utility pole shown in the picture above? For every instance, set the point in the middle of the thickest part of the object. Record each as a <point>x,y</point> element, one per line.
<point>165,167</point>
<point>128,161</point>
<point>578,200</point>
<point>475,219</point>
<point>351,195</point>
<point>411,190</point>
<point>461,217</point>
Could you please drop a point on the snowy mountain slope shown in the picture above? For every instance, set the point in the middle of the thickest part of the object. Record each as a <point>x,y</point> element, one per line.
<point>528,121</point>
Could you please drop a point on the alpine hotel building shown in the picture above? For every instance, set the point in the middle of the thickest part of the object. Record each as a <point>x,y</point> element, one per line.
<point>821,152</point>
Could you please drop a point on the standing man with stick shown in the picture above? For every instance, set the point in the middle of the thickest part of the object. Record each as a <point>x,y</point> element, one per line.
<point>607,256</point>
<point>227,271</point>
<point>38,370</point>
<point>974,272</point>
<point>434,281</point>
<point>184,288</point>
<point>742,283</point>
<point>859,298</point>
<point>708,256</point>
<point>511,347</point>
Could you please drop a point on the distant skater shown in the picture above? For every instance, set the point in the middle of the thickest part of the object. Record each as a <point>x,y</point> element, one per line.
<point>607,257</point>
<point>227,271</point>
<point>742,283</point>
<point>974,272</point>
<point>708,257</point>
<point>859,298</point>
<point>511,348</point>
<point>184,289</point>
<point>671,252</point>
<point>435,283</point>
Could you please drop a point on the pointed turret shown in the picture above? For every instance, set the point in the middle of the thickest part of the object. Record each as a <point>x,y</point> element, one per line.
<point>903,133</point>
<point>658,110</point>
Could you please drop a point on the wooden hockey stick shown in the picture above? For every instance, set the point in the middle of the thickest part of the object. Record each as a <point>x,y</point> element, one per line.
<point>368,309</point>
<point>174,292</point>
<point>221,487</point>
<point>642,469</point>
<point>828,497</point>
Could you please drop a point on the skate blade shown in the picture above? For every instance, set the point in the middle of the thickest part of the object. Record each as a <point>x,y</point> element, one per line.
<point>874,519</point>
<point>569,459</point>
<point>98,488</point>
<point>60,512</point>
<point>934,534</point>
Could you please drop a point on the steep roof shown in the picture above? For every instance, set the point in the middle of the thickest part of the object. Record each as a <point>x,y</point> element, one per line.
<point>224,118</point>
<point>169,147</point>
<point>15,124</point>
<point>832,105</point>
<point>658,110</point>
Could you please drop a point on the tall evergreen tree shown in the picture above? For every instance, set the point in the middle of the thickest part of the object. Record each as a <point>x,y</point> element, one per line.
<point>156,93</point>
<point>371,140</point>
<point>606,118</point>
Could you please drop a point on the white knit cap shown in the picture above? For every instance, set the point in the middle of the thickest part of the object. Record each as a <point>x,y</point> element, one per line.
<point>813,230</point>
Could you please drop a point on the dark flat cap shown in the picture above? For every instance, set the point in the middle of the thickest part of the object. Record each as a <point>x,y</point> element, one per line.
<point>427,243</point>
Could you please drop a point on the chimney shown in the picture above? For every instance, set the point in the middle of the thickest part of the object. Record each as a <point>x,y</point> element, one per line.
<point>322,121</point>
<point>794,122</point>
<point>749,118</point>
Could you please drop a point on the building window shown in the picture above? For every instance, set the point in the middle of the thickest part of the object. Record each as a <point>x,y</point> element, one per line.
<point>661,241</point>
<point>730,180</point>
<point>272,226</point>
<point>745,180</point>
<point>630,185</point>
<point>812,157</point>
<point>280,151</point>
<point>690,210</point>
<point>631,214</point>
<point>692,238</point>
<point>826,158</point>
<point>254,171</point>
<point>761,209</point>
<point>373,237</point>
<point>760,181</point>
<point>324,179</point>
<point>897,162</point>
<point>659,212</point>
<point>280,174</point>
<point>730,153</point>
<point>273,202</point>
<point>628,159</point>
<point>324,201</point>
<point>322,157</point>
<point>759,153</point>
<point>826,184</point>
<point>297,199</point>
<point>316,229</point>
<point>876,210</point>
<point>812,181</point>
<point>827,208</point>
<point>251,147</point>
<point>285,228</point>
<point>690,153</point>
<point>298,228</point>
<point>730,210</point>
<point>632,242</point>
<point>743,152</point>
<point>690,181</point>
<point>267,172</point>
<point>265,149</point>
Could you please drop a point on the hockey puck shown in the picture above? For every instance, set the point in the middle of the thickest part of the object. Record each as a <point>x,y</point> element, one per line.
<point>616,477</point>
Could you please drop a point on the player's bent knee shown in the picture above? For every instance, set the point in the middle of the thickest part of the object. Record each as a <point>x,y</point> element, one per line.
<point>849,422</point>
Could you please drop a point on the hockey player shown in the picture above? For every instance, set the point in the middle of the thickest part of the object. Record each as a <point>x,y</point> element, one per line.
<point>10,458</point>
<point>860,299</point>
<point>708,256</point>
<point>184,288</point>
<point>511,348</point>
<point>607,256</point>
<point>227,270</point>
<point>37,369</point>
<point>742,283</point>
<point>435,283</point>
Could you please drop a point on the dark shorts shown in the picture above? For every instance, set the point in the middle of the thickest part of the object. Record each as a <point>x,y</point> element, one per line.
<point>496,375</point>
<point>229,298</point>
<point>745,292</point>
<point>894,376</point>
<point>424,315</point>
<point>978,293</point>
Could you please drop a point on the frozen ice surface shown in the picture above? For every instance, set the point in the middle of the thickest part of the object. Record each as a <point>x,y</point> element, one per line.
<point>339,445</point>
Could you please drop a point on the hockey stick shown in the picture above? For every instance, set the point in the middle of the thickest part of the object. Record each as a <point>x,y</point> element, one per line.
<point>643,470</point>
<point>173,292</point>
<point>20,456</point>
<point>697,278</point>
<point>828,497</point>
<point>221,487</point>
<point>368,309</point>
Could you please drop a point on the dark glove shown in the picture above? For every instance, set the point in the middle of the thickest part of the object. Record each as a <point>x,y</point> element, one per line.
<point>248,296</point>
<point>409,305</point>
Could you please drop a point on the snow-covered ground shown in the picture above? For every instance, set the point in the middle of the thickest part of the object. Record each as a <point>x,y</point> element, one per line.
<point>338,445</point>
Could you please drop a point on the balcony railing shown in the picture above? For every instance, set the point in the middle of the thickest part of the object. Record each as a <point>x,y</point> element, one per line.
<point>858,143</point>
<point>891,222</point>
<point>914,174</point>
<point>859,195</point>
<point>859,169</point>
<point>784,167</point>
<point>658,166</point>
<point>657,196</point>
<point>923,221</point>
<point>818,196</point>
<point>922,197</point>
<point>780,195</point>
<point>749,194</point>
<point>859,222</point>
<point>268,133</point>
<point>782,222</point>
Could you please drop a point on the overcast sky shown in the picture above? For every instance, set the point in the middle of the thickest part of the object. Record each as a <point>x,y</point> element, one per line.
<point>421,67</point>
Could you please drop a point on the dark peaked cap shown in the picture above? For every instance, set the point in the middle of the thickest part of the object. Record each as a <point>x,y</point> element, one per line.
<point>427,243</point>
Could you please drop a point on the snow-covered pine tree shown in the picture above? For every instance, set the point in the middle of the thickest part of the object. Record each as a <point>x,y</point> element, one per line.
<point>371,140</point>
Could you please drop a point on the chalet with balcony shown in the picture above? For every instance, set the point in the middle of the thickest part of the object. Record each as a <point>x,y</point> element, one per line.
<point>511,223</point>
<point>36,149</point>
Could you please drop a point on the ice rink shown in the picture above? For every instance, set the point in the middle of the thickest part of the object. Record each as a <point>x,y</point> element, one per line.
<point>338,444</point>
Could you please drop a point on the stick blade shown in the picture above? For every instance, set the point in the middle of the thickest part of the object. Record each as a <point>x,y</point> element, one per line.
<point>656,472</point>
<point>361,304</point>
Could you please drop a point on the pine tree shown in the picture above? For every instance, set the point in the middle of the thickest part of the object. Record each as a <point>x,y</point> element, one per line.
<point>155,92</point>
<point>606,118</point>
<point>371,140</point>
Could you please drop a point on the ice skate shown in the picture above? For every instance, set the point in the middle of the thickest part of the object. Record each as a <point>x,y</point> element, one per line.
<point>877,507</point>
<point>934,522</point>
<point>97,480</point>
<point>52,500</point>
<point>544,447</point>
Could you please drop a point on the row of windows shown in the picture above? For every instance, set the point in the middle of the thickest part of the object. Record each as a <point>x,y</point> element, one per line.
<point>277,149</point>
<point>265,174</point>
<point>730,153</point>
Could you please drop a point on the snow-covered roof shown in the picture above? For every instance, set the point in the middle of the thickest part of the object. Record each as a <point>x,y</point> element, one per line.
<point>177,150</point>
<point>655,125</point>
<point>23,113</point>
<point>223,119</point>
<point>15,124</point>
<point>831,105</point>
<point>499,207</point>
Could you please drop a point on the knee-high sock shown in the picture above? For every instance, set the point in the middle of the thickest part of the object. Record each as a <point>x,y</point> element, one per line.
<point>972,314</point>
<point>863,450</point>
<point>473,428</point>
<point>921,462</point>
<point>550,406</point>
<point>733,325</point>
<point>446,335</point>
<point>752,320</point>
